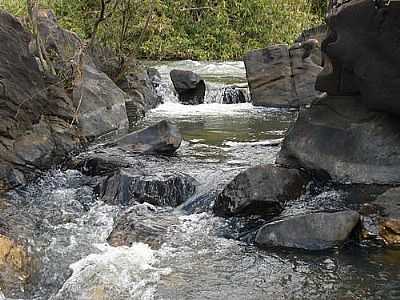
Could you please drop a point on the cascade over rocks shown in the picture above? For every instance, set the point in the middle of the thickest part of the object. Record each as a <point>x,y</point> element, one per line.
<point>35,114</point>
<point>262,191</point>
<point>280,76</point>
<point>233,95</point>
<point>315,231</point>
<point>161,138</point>
<point>190,87</point>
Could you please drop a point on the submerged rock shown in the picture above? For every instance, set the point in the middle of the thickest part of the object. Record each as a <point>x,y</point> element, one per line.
<point>233,95</point>
<point>129,186</point>
<point>141,224</point>
<point>281,77</point>
<point>388,220</point>
<point>190,87</point>
<point>161,138</point>
<point>315,231</point>
<point>339,137</point>
<point>261,190</point>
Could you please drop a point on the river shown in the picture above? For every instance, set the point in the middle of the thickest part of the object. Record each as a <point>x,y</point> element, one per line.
<point>200,256</point>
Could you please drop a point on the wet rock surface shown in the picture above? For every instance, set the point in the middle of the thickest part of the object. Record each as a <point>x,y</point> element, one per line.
<point>142,223</point>
<point>129,186</point>
<point>190,87</point>
<point>280,76</point>
<point>261,191</point>
<point>339,137</point>
<point>315,231</point>
<point>161,138</point>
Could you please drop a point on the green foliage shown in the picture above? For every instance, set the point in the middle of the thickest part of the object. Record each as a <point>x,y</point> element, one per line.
<point>182,29</point>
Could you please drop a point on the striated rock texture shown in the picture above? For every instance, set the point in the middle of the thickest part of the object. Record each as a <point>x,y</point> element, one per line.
<point>190,87</point>
<point>233,95</point>
<point>315,231</point>
<point>35,113</point>
<point>282,77</point>
<point>262,191</point>
<point>361,53</point>
<point>129,186</point>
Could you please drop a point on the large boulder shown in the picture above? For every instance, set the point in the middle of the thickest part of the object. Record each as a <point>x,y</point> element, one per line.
<point>35,114</point>
<point>101,104</point>
<point>339,137</point>
<point>190,87</point>
<point>280,76</point>
<point>361,53</point>
<point>262,191</point>
<point>161,138</point>
<point>130,186</point>
<point>315,231</point>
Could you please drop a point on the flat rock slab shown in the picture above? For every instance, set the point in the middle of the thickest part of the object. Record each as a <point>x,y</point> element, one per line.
<point>261,190</point>
<point>315,231</point>
<point>161,138</point>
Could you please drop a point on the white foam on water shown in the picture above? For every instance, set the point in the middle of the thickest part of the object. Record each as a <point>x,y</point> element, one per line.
<point>114,273</point>
<point>212,109</point>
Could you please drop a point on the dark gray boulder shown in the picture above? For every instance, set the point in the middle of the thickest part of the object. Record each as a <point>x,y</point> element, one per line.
<point>262,191</point>
<point>129,186</point>
<point>190,87</point>
<point>233,95</point>
<point>161,138</point>
<point>340,137</point>
<point>280,76</point>
<point>361,53</point>
<point>315,231</point>
<point>35,114</point>
<point>101,104</point>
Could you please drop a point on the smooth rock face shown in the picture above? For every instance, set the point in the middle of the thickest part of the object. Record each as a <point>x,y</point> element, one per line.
<point>35,112</point>
<point>102,107</point>
<point>315,231</point>
<point>362,47</point>
<point>190,87</point>
<point>339,137</point>
<point>161,138</point>
<point>261,190</point>
<point>233,95</point>
<point>129,186</point>
<point>281,77</point>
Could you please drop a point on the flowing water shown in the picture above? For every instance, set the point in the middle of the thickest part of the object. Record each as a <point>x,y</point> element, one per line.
<point>200,256</point>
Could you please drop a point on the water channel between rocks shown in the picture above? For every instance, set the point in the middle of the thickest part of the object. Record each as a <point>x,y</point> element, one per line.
<point>198,257</point>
